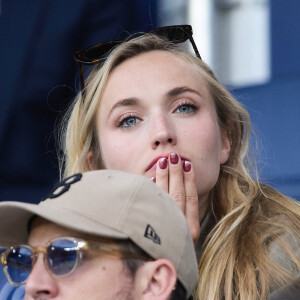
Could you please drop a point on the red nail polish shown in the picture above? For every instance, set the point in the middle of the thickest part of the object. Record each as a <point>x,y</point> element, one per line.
<point>153,179</point>
<point>163,163</point>
<point>174,158</point>
<point>187,166</point>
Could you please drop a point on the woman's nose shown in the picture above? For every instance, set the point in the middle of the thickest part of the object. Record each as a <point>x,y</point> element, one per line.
<point>163,132</point>
<point>40,284</point>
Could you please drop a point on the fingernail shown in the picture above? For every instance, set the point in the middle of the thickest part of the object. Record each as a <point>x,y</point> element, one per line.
<point>153,179</point>
<point>187,166</point>
<point>174,158</point>
<point>163,163</point>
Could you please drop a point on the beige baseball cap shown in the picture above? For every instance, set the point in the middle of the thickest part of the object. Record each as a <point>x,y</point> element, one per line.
<point>112,204</point>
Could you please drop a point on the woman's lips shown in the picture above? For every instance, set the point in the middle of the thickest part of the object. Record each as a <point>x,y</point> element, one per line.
<point>152,165</point>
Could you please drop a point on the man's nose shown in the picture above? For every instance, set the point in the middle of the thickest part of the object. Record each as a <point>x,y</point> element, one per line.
<point>40,284</point>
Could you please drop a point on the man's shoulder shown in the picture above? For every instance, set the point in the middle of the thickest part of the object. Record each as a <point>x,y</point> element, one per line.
<point>9,292</point>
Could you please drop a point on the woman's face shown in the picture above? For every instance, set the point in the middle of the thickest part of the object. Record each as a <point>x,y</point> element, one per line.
<point>155,104</point>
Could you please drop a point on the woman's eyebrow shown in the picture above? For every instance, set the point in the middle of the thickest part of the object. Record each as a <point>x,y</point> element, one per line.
<point>180,90</point>
<point>123,103</point>
<point>132,101</point>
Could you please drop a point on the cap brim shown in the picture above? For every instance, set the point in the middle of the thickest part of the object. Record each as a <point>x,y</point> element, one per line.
<point>14,218</point>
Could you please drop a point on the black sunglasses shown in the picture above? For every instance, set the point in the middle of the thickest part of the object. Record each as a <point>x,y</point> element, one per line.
<point>98,53</point>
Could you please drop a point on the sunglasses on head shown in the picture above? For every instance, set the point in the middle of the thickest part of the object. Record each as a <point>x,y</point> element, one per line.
<point>98,53</point>
<point>61,257</point>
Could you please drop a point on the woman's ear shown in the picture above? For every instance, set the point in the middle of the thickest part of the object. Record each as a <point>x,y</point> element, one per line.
<point>155,280</point>
<point>90,160</point>
<point>225,146</point>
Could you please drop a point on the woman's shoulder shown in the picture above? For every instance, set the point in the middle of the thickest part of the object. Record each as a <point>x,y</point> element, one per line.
<point>274,208</point>
<point>279,222</point>
<point>279,219</point>
<point>288,292</point>
<point>284,249</point>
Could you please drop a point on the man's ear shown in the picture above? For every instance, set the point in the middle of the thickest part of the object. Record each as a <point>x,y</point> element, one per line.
<point>90,160</point>
<point>155,280</point>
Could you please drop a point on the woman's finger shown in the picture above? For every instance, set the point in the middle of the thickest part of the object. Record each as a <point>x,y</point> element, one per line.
<point>176,185</point>
<point>191,201</point>
<point>162,174</point>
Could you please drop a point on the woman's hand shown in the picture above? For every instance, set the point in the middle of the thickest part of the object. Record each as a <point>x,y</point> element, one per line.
<point>177,178</point>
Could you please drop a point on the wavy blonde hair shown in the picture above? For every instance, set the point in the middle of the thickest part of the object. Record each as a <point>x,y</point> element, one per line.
<point>252,218</point>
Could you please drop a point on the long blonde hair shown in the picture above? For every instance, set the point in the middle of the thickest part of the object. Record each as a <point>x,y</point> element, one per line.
<point>251,217</point>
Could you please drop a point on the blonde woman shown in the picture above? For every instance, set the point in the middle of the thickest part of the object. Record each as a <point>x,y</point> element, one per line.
<point>150,107</point>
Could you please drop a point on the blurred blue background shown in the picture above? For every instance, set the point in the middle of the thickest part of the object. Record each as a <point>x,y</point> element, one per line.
<point>275,105</point>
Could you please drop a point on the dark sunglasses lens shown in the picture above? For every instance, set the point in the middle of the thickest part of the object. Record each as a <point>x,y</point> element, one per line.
<point>98,52</point>
<point>19,264</point>
<point>173,34</point>
<point>61,257</point>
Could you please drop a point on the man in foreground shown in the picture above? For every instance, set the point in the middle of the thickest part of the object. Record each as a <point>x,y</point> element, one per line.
<point>99,235</point>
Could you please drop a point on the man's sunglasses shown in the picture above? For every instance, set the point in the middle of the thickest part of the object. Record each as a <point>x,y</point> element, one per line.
<point>61,257</point>
<point>98,53</point>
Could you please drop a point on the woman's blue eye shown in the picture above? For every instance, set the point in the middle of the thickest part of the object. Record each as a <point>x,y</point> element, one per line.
<point>186,108</point>
<point>129,122</point>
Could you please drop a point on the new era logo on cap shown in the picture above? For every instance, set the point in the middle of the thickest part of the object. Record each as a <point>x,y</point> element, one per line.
<point>151,234</point>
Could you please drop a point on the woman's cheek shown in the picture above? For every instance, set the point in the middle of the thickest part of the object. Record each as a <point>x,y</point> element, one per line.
<point>115,157</point>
